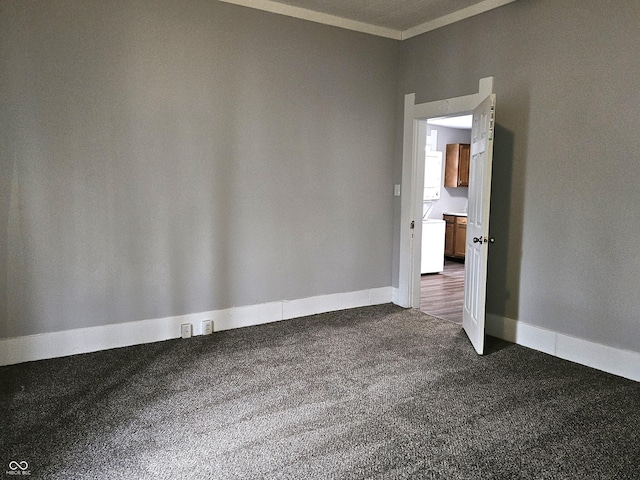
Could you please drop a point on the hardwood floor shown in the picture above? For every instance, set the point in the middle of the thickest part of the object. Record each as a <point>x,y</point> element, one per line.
<point>442,294</point>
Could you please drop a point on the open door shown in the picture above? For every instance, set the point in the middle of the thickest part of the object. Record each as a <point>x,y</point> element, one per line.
<point>407,294</point>
<point>475,287</point>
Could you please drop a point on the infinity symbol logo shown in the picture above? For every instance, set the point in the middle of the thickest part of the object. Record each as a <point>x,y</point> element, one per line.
<point>13,465</point>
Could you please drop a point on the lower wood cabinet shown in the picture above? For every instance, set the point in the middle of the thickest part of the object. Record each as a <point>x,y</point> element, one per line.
<point>449,235</point>
<point>455,238</point>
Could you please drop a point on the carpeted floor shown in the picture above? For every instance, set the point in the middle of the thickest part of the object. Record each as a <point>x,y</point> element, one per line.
<point>374,392</point>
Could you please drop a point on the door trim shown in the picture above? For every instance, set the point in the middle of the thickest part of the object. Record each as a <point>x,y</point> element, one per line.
<point>412,182</point>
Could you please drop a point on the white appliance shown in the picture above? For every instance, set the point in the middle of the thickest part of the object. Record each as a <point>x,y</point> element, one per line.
<point>432,175</point>
<point>432,246</point>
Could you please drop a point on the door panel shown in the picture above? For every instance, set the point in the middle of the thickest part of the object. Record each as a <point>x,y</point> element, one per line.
<point>473,316</point>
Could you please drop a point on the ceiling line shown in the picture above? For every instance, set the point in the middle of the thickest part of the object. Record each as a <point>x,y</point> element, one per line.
<point>454,17</point>
<point>335,21</point>
<point>313,16</point>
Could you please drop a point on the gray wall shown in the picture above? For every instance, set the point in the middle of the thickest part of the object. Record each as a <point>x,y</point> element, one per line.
<point>160,158</point>
<point>566,160</point>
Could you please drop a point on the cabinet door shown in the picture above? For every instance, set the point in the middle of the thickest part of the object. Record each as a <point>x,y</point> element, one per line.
<point>463,165</point>
<point>448,236</point>
<point>460,241</point>
<point>451,165</point>
<point>456,173</point>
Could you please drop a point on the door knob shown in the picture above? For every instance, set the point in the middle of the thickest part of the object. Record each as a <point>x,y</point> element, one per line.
<point>483,240</point>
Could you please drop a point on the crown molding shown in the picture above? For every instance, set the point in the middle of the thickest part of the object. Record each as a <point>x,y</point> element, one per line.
<point>335,21</point>
<point>454,17</point>
<point>312,16</point>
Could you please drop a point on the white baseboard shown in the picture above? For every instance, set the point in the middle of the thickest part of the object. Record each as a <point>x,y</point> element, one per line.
<point>395,296</point>
<point>620,362</point>
<point>92,339</point>
<point>623,363</point>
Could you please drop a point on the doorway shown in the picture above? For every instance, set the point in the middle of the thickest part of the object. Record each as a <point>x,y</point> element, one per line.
<point>482,106</point>
<point>445,204</point>
<point>411,199</point>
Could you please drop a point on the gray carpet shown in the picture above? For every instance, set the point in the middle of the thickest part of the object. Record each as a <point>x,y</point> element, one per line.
<point>374,392</point>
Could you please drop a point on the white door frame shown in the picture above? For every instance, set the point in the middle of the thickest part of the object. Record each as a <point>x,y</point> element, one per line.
<point>408,294</point>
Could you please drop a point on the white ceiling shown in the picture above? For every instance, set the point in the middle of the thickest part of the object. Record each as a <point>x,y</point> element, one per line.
<point>398,19</point>
<point>463,122</point>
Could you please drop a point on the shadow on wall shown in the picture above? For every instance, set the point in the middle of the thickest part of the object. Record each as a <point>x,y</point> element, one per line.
<point>506,227</point>
<point>7,176</point>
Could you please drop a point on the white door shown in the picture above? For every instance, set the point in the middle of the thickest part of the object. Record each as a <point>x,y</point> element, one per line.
<point>475,286</point>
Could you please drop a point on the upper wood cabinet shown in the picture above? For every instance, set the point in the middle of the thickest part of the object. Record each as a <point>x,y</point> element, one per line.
<point>456,173</point>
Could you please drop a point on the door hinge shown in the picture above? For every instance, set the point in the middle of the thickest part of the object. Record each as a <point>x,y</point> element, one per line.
<point>413,224</point>
<point>492,119</point>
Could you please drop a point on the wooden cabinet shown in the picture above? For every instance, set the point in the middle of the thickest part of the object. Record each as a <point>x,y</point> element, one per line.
<point>448,235</point>
<point>456,173</point>
<point>455,237</point>
<point>460,233</point>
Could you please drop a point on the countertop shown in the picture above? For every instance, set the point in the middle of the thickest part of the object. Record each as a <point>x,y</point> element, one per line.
<point>457,214</point>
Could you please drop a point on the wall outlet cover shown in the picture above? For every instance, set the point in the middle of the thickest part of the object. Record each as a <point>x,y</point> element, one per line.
<point>186,330</point>
<point>207,327</point>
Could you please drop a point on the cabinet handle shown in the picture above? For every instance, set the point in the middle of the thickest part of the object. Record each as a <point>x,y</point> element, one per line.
<point>477,240</point>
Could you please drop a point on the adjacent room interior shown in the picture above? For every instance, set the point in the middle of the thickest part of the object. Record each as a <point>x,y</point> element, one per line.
<point>446,179</point>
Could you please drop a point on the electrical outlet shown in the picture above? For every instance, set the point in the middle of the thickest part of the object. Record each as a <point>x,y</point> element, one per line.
<point>186,330</point>
<point>207,327</point>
